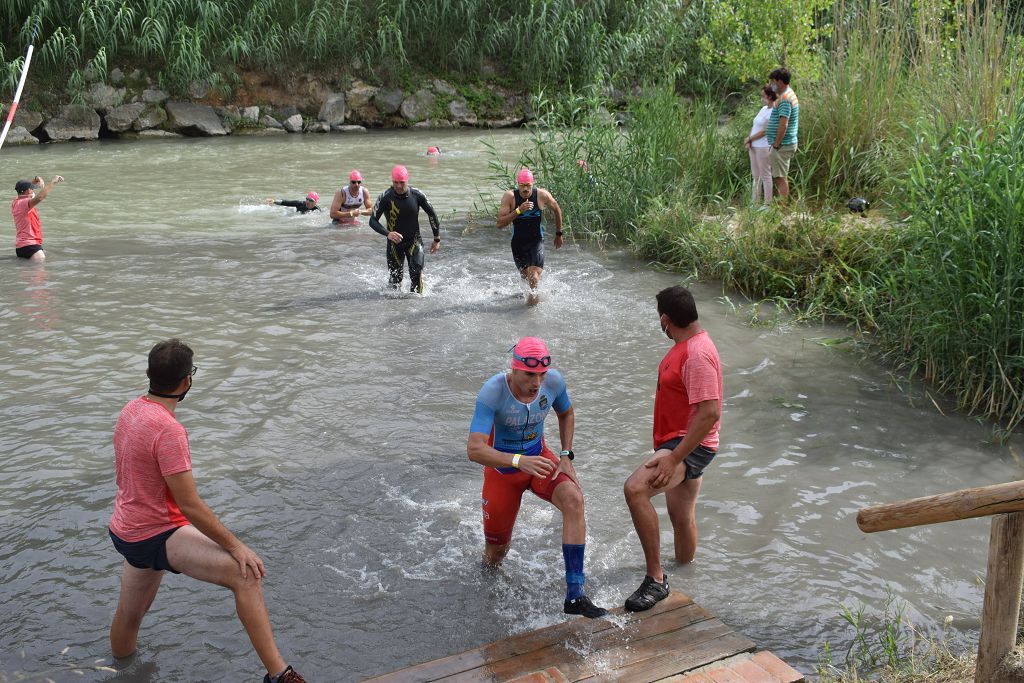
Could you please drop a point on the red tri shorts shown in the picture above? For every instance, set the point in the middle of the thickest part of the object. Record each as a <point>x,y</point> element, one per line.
<point>503,493</point>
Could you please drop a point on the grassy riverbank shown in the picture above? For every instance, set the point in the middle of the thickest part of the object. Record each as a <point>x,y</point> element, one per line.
<point>913,107</point>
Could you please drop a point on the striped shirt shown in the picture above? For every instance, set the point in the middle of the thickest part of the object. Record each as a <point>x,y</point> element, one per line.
<point>786,107</point>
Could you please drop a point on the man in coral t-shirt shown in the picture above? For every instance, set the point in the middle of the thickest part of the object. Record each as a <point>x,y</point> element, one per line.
<point>28,229</point>
<point>687,412</point>
<point>161,524</point>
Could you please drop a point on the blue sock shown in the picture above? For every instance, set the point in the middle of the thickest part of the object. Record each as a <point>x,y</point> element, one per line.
<point>574,578</point>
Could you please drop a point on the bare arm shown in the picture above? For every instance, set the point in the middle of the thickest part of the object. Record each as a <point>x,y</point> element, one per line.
<point>41,195</point>
<point>183,488</point>
<point>367,204</point>
<point>336,206</point>
<point>703,419</point>
<point>566,428</point>
<point>480,452</point>
<point>547,201</point>
<point>507,210</point>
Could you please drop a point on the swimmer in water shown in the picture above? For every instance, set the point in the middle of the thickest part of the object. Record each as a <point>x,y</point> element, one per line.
<point>301,205</point>
<point>351,201</point>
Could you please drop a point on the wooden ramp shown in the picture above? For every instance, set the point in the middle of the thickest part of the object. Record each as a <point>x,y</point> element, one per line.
<point>676,641</point>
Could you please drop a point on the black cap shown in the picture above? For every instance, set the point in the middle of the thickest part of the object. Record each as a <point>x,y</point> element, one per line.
<point>22,185</point>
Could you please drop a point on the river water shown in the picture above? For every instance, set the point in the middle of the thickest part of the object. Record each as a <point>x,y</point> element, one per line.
<point>329,417</point>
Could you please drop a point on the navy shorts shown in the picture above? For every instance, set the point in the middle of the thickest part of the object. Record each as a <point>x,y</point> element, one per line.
<point>528,255</point>
<point>696,461</point>
<point>28,251</point>
<point>150,553</point>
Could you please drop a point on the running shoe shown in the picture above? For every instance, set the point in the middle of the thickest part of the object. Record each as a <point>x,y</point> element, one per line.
<point>584,607</point>
<point>289,675</point>
<point>647,595</point>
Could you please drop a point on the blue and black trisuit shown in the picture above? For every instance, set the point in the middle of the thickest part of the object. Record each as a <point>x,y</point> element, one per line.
<point>402,211</point>
<point>528,233</point>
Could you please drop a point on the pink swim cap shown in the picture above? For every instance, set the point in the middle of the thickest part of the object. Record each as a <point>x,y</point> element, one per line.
<point>400,174</point>
<point>525,176</point>
<point>433,150</point>
<point>531,354</point>
<point>314,196</point>
<point>355,175</point>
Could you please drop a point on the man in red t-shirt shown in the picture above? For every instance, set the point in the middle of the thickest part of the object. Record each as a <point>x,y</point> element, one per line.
<point>160,522</point>
<point>687,412</point>
<point>28,229</point>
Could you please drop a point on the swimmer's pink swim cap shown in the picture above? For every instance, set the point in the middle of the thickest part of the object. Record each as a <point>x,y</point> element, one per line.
<point>314,196</point>
<point>355,175</point>
<point>433,150</point>
<point>525,176</point>
<point>531,354</point>
<point>400,174</point>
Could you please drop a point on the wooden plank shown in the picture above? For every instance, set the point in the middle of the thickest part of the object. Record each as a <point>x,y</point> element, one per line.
<point>725,675</point>
<point>647,638</point>
<point>531,641</point>
<point>778,668</point>
<point>945,507</point>
<point>1001,607</point>
<point>669,660</point>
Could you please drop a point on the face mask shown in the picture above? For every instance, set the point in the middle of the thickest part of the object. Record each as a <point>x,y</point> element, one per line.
<point>775,88</point>
<point>180,397</point>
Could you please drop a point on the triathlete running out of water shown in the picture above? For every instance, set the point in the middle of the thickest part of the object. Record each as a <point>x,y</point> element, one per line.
<point>301,205</point>
<point>351,201</point>
<point>522,208</point>
<point>507,437</point>
<point>401,204</point>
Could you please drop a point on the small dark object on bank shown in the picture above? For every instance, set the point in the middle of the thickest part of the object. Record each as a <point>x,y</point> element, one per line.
<point>858,205</point>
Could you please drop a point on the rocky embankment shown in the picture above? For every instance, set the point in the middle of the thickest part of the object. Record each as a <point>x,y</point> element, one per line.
<point>130,108</point>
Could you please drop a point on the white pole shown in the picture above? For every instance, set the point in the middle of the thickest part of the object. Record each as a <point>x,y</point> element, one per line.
<point>17,96</point>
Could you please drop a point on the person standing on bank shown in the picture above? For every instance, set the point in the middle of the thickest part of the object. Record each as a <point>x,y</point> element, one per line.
<point>687,414</point>
<point>522,208</point>
<point>28,229</point>
<point>351,201</point>
<point>402,205</point>
<point>782,128</point>
<point>161,524</point>
<point>759,149</point>
<point>506,436</point>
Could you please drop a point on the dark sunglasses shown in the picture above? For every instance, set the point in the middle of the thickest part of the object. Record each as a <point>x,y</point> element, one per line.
<point>531,362</point>
<point>355,182</point>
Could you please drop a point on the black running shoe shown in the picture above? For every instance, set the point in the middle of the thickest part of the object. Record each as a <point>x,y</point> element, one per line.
<point>584,607</point>
<point>647,595</point>
<point>289,675</point>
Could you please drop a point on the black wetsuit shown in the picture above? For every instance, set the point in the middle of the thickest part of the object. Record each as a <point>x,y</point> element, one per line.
<point>528,233</point>
<point>402,213</point>
<point>299,205</point>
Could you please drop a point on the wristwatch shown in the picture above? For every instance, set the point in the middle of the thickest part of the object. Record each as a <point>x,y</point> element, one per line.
<point>567,454</point>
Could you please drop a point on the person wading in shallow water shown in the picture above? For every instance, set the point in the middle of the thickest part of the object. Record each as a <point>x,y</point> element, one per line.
<point>161,524</point>
<point>402,203</point>
<point>28,238</point>
<point>687,414</point>
<point>351,201</point>
<point>522,209</point>
<point>507,438</point>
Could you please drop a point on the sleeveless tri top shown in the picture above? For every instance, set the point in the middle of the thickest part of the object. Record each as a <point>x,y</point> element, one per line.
<point>527,228</point>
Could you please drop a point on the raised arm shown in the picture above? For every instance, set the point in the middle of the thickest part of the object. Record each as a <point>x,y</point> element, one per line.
<point>41,195</point>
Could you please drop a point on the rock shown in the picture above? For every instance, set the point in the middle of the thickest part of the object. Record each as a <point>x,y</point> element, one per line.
<point>192,119</point>
<point>388,100</point>
<point>197,89</point>
<point>230,112</point>
<point>433,124</point>
<point>117,76</point>
<point>442,87</point>
<point>251,113</point>
<point>333,110</point>
<point>623,118</point>
<point>318,127</point>
<point>152,117</point>
<point>506,122</point>
<point>73,122</point>
<point>26,118</point>
<point>293,124</point>
<point>154,96</point>
<point>361,95</point>
<point>349,129</point>
<point>461,113</point>
<point>122,118</point>
<point>286,112</point>
<point>268,121</point>
<point>418,106</point>
<point>103,97</point>
<point>19,135</point>
<point>261,132</point>
<point>158,134</point>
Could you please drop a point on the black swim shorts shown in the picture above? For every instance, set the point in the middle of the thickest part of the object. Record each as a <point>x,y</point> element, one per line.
<point>150,553</point>
<point>696,461</point>
<point>528,255</point>
<point>28,250</point>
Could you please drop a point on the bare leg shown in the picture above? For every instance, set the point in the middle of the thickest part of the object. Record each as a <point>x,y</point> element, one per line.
<point>569,500</point>
<point>195,555</point>
<point>38,257</point>
<point>645,518</point>
<point>138,590</point>
<point>682,507</point>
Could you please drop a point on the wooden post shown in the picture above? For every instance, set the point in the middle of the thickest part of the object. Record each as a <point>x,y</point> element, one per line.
<point>1002,594</point>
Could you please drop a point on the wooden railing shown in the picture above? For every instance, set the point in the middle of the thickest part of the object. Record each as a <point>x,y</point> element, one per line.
<point>1003,582</point>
